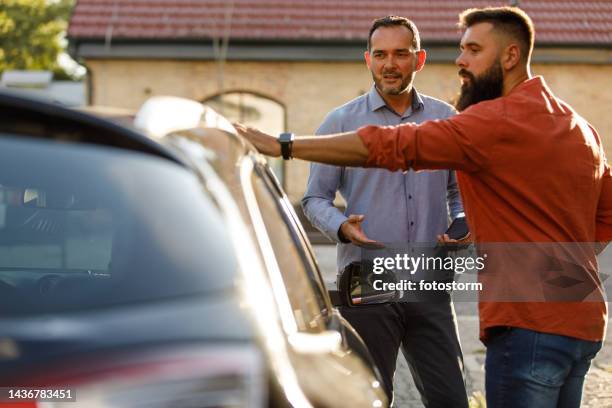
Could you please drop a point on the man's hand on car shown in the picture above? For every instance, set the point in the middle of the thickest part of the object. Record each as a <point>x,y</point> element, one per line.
<point>263,142</point>
<point>343,149</point>
<point>351,230</point>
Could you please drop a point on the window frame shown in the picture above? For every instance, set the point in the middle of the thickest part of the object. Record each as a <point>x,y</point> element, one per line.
<point>298,235</point>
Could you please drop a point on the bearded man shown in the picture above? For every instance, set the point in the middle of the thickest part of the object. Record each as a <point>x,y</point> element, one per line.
<point>393,207</point>
<point>531,170</point>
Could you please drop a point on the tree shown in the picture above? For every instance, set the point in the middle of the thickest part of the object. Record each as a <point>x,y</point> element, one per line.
<point>31,34</point>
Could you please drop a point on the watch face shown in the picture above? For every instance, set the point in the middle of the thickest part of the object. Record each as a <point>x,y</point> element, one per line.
<point>286,137</point>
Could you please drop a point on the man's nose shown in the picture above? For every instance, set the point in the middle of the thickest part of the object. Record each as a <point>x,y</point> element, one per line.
<point>460,61</point>
<point>390,61</point>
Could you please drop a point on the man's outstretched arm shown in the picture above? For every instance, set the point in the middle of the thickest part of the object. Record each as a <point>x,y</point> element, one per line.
<point>463,142</point>
<point>343,149</point>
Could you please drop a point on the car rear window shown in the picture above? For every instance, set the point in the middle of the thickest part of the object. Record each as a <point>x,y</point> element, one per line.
<point>84,226</point>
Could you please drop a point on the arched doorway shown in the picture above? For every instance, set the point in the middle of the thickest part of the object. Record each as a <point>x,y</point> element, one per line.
<point>253,110</point>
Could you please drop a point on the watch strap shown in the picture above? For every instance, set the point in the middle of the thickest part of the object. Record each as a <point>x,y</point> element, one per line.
<point>286,143</point>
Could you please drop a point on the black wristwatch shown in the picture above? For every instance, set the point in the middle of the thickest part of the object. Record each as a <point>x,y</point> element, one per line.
<point>286,143</point>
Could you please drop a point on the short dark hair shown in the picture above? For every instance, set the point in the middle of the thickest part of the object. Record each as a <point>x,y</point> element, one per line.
<point>510,20</point>
<point>396,21</point>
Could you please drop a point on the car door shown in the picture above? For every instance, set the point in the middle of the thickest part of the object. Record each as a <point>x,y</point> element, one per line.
<point>351,340</point>
<point>310,301</point>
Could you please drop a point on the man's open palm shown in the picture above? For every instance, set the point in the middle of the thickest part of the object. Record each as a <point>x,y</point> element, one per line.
<point>351,229</point>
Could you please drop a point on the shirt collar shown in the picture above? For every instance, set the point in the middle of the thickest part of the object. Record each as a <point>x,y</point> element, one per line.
<point>376,101</point>
<point>536,82</point>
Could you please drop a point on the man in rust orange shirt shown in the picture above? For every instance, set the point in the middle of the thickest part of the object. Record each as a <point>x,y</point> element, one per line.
<point>530,170</point>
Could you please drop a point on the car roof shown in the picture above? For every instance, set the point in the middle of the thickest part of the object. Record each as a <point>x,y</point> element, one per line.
<point>17,109</point>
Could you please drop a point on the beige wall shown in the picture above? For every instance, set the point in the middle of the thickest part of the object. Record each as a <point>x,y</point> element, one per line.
<point>310,90</point>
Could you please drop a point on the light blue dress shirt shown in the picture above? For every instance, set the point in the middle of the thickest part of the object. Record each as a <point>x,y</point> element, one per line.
<point>399,207</point>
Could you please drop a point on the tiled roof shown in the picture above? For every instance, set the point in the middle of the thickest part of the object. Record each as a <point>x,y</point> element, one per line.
<point>556,21</point>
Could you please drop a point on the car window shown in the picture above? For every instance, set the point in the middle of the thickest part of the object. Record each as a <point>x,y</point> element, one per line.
<point>307,306</point>
<point>301,240</point>
<point>224,152</point>
<point>85,226</point>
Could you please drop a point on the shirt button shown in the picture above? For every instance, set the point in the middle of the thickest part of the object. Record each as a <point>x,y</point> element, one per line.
<point>411,222</point>
<point>410,197</point>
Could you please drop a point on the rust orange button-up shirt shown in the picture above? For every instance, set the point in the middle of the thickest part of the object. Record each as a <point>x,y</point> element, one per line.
<point>530,169</point>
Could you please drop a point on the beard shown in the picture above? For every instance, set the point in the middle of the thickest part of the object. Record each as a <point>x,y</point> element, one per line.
<point>406,83</point>
<point>489,85</point>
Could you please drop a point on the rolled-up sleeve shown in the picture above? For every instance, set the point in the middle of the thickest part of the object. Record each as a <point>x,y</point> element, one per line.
<point>463,142</point>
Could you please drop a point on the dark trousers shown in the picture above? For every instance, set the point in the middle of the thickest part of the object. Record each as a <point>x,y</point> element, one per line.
<point>427,333</point>
<point>529,369</point>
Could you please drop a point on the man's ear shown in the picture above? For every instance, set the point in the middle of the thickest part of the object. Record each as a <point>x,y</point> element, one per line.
<point>422,56</point>
<point>511,57</point>
<point>366,55</point>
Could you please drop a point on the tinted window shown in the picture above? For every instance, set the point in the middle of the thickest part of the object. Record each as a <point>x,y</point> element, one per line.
<point>85,226</point>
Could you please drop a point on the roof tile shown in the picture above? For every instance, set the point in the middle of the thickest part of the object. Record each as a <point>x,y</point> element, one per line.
<point>556,21</point>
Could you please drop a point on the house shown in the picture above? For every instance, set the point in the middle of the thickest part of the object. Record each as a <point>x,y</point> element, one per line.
<point>283,64</point>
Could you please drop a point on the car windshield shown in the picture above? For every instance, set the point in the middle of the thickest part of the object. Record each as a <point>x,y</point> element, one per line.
<point>85,226</point>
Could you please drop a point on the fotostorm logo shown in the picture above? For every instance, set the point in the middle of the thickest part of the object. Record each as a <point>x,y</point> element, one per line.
<point>404,262</point>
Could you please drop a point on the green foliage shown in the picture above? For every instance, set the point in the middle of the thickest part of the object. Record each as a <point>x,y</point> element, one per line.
<point>31,33</point>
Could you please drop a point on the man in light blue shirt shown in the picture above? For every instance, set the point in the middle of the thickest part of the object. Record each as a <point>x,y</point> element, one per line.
<point>393,207</point>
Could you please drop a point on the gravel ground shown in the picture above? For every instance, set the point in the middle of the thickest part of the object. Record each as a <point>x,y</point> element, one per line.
<point>598,385</point>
